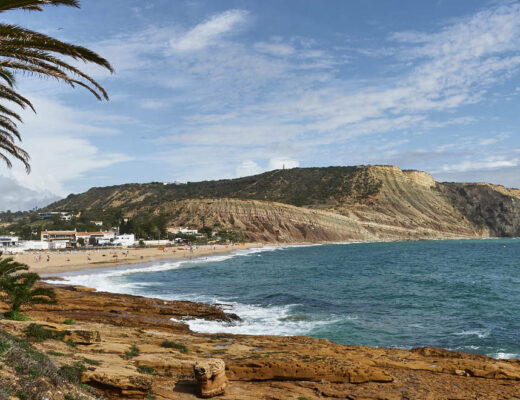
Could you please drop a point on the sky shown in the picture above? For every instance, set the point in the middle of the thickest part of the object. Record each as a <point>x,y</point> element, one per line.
<point>227,88</point>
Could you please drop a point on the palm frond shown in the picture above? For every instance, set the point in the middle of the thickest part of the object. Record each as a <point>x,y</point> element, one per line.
<point>29,52</point>
<point>35,5</point>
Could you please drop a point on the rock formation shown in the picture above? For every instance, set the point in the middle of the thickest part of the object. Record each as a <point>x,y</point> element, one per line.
<point>211,377</point>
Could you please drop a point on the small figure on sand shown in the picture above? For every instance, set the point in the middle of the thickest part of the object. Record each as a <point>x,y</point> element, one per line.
<point>48,258</point>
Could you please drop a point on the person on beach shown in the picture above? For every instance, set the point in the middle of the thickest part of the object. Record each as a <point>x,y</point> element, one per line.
<point>48,258</point>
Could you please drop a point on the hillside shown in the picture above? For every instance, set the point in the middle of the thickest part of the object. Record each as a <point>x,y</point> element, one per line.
<point>320,204</point>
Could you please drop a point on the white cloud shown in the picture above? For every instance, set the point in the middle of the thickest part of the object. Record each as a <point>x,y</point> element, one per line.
<point>471,165</point>
<point>247,168</point>
<point>59,141</point>
<point>209,32</point>
<point>275,49</point>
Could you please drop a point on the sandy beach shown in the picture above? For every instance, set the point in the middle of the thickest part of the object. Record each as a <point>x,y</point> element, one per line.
<point>52,262</point>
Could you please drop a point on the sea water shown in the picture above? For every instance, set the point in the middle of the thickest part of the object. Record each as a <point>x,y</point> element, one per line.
<point>460,295</point>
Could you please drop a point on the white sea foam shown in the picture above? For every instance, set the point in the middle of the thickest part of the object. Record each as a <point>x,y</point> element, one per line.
<point>504,356</point>
<point>256,320</point>
<point>480,333</point>
<point>106,279</point>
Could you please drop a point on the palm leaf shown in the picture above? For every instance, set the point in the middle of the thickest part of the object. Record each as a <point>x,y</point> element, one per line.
<point>35,5</point>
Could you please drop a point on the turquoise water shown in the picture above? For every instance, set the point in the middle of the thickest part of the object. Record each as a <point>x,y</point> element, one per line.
<point>461,295</point>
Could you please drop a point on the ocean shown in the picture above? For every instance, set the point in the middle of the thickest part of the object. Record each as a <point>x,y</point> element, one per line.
<point>460,294</point>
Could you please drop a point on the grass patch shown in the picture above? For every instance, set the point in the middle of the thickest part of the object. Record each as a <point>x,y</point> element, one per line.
<point>150,395</point>
<point>144,369</point>
<point>73,372</point>
<point>91,362</point>
<point>69,322</point>
<point>174,345</point>
<point>16,316</point>
<point>40,334</point>
<point>22,395</point>
<point>55,353</point>
<point>133,352</point>
<point>69,397</point>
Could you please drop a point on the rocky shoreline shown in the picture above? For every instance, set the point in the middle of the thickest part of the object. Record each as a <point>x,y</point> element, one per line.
<point>135,351</point>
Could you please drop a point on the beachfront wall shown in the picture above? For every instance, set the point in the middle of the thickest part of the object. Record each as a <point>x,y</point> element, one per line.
<point>156,242</point>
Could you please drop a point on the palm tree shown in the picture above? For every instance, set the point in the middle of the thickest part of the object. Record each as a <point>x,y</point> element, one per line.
<point>26,51</point>
<point>19,286</point>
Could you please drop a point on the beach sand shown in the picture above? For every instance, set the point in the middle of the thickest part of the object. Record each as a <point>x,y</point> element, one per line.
<point>103,258</point>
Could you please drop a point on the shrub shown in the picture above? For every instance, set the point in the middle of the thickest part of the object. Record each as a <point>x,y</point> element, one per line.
<point>55,353</point>
<point>91,362</point>
<point>73,372</point>
<point>16,316</point>
<point>173,345</point>
<point>69,322</point>
<point>38,333</point>
<point>19,285</point>
<point>144,369</point>
<point>133,352</point>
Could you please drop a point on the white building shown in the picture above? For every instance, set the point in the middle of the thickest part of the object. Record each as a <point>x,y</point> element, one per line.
<point>187,231</point>
<point>125,240</point>
<point>8,241</point>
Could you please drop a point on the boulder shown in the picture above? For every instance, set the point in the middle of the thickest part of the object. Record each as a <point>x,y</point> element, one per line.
<point>211,377</point>
<point>82,336</point>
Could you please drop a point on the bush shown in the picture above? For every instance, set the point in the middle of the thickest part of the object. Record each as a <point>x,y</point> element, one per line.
<point>55,353</point>
<point>41,334</point>
<point>144,369</point>
<point>38,333</point>
<point>133,352</point>
<point>91,362</point>
<point>173,345</point>
<point>73,372</point>
<point>16,316</point>
<point>69,322</point>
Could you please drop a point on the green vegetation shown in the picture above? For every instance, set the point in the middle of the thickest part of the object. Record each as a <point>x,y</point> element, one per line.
<point>40,334</point>
<point>91,362</point>
<point>69,322</point>
<point>133,352</point>
<point>55,353</point>
<point>73,372</point>
<point>16,316</point>
<point>144,369</point>
<point>173,345</point>
<point>19,287</point>
<point>29,365</point>
<point>28,52</point>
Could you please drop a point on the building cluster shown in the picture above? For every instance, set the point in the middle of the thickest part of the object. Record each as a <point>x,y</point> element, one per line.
<point>67,239</point>
<point>55,240</point>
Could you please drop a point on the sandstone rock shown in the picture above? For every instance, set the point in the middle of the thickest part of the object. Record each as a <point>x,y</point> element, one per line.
<point>211,377</point>
<point>83,336</point>
<point>117,385</point>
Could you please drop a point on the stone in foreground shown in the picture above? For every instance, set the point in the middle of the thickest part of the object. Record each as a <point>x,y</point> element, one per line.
<point>211,377</point>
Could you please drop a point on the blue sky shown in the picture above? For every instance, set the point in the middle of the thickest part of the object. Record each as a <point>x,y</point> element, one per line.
<point>220,89</point>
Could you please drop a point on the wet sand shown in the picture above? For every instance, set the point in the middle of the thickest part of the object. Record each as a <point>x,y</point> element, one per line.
<point>103,258</point>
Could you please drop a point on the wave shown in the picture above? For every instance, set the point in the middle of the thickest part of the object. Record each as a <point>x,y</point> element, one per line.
<point>258,320</point>
<point>105,279</point>
<point>480,333</point>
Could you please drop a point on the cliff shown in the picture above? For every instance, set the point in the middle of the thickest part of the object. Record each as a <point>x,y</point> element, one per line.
<point>320,204</point>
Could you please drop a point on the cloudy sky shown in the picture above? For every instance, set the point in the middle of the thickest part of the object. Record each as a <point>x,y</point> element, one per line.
<point>226,88</point>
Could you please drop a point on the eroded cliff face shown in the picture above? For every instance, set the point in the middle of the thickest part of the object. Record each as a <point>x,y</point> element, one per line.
<point>494,209</point>
<point>407,205</point>
<point>323,204</point>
